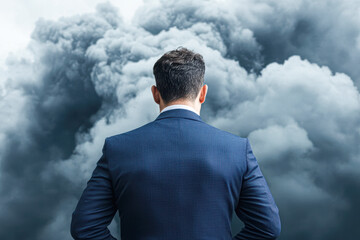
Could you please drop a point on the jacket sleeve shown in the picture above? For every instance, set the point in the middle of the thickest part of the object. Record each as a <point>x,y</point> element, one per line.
<point>256,207</point>
<point>96,207</point>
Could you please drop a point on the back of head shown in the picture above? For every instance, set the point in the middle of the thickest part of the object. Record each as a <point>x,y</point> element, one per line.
<point>179,74</point>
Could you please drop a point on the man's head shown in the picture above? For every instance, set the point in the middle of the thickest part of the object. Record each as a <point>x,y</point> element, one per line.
<point>179,76</point>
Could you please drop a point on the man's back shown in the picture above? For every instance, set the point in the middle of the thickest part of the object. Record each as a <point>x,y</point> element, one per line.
<point>176,177</point>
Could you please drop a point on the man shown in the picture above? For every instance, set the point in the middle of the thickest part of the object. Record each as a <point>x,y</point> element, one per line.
<point>177,177</point>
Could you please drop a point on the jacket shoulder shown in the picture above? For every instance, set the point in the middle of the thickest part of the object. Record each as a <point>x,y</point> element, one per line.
<point>146,127</point>
<point>226,133</point>
<point>137,130</point>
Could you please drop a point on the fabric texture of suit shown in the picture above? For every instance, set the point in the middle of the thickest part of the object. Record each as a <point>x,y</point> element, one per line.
<point>176,178</point>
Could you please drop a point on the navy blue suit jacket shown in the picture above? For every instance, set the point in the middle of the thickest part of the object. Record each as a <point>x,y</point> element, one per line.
<point>176,178</point>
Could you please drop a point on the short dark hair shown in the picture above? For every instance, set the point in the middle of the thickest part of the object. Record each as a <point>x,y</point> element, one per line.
<point>179,74</point>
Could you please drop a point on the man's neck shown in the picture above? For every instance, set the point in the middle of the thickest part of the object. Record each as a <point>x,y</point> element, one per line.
<point>175,104</point>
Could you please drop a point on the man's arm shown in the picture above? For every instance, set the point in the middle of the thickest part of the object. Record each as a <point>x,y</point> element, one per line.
<point>96,207</point>
<point>256,206</point>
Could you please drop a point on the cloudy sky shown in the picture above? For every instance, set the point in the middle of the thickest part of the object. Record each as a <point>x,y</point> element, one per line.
<point>282,73</point>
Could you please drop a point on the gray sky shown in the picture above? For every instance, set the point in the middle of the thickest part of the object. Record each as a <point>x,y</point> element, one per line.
<point>18,17</point>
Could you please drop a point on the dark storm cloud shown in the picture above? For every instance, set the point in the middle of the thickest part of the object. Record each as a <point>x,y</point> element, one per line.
<point>260,32</point>
<point>272,71</point>
<point>238,40</point>
<point>58,105</point>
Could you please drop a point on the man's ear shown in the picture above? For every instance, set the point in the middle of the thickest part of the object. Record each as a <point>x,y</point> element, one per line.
<point>156,94</point>
<point>203,93</point>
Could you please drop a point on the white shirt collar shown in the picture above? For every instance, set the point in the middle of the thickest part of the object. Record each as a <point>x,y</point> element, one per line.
<point>182,106</point>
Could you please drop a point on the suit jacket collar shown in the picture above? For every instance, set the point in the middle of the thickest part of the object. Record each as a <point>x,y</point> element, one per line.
<point>179,113</point>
